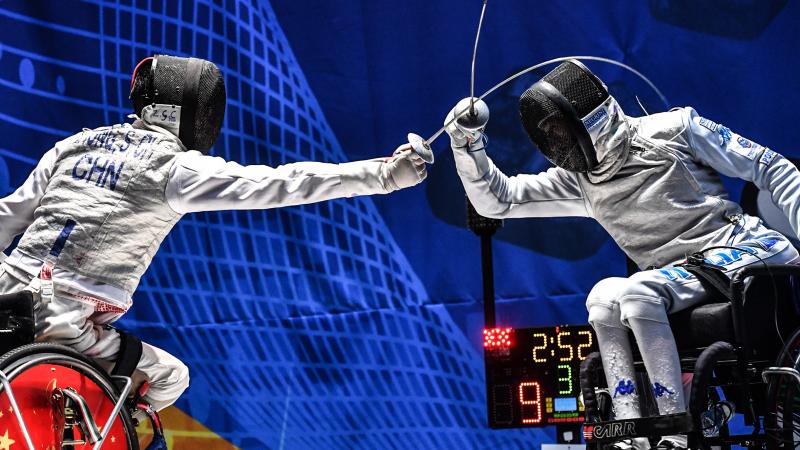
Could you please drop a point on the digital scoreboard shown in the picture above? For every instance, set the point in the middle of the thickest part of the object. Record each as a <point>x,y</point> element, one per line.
<point>532,374</point>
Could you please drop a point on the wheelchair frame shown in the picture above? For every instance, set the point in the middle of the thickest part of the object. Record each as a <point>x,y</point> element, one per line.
<point>737,356</point>
<point>5,382</point>
<point>19,356</point>
<point>6,386</point>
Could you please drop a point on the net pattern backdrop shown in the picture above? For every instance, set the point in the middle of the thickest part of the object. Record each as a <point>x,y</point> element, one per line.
<point>304,327</point>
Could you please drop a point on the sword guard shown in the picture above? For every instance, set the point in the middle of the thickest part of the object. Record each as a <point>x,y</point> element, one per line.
<point>472,117</point>
<point>422,148</point>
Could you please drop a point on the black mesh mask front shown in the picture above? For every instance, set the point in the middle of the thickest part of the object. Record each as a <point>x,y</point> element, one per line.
<point>193,84</point>
<point>551,112</point>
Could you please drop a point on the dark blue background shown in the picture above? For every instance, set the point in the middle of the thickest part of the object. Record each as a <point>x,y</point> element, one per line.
<point>382,69</point>
<point>356,323</point>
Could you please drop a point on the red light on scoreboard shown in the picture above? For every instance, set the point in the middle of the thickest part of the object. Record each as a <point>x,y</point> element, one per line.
<point>498,338</point>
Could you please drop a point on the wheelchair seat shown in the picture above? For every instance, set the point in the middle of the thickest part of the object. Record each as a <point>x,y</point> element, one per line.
<point>730,348</point>
<point>702,325</point>
<point>769,312</point>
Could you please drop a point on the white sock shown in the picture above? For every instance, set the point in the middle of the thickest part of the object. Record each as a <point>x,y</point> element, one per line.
<point>660,355</point>
<point>615,349</point>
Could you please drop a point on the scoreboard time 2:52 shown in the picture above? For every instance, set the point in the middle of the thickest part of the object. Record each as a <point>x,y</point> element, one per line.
<point>532,374</point>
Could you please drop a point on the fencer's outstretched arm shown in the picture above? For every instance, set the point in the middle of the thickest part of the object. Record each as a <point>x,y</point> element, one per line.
<point>205,183</point>
<point>16,210</point>
<point>553,193</point>
<point>735,156</point>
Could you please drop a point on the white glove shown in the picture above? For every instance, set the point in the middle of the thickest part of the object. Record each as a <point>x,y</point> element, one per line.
<point>403,169</point>
<point>461,137</point>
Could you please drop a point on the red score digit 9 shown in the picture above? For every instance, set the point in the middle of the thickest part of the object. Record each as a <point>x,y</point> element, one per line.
<point>531,408</point>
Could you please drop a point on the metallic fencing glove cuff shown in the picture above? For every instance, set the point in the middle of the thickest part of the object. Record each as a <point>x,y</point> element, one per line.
<point>403,169</point>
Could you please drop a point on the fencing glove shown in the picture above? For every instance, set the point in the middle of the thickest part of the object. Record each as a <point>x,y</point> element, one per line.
<point>403,169</point>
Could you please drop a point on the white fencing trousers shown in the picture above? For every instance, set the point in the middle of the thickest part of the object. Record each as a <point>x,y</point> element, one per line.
<point>77,325</point>
<point>641,304</point>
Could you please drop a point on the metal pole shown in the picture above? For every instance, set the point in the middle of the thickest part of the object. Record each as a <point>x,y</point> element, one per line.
<point>487,270</point>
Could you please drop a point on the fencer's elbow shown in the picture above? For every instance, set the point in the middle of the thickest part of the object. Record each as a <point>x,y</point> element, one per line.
<point>496,214</point>
<point>493,210</point>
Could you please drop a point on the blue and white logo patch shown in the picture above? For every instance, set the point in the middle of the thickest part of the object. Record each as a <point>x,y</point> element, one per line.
<point>746,147</point>
<point>596,119</point>
<point>767,157</point>
<point>724,135</point>
<point>710,124</point>
<point>744,142</point>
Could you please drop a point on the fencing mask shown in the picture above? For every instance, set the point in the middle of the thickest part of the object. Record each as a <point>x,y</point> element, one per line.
<point>185,96</point>
<point>554,113</point>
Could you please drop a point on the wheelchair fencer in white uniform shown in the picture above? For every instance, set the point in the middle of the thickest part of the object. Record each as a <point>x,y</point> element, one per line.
<point>122,188</point>
<point>653,183</point>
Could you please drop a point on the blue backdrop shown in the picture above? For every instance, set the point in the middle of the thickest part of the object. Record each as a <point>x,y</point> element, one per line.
<point>356,323</point>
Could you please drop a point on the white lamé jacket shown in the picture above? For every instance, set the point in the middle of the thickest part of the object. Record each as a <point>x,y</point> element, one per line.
<point>657,190</point>
<point>125,187</point>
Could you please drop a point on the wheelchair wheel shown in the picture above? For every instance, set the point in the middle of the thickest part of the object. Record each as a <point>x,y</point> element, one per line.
<point>34,371</point>
<point>782,419</point>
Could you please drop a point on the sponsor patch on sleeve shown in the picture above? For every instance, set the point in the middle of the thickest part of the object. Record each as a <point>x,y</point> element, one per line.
<point>767,157</point>
<point>745,148</point>
<point>744,142</point>
<point>710,124</point>
<point>749,149</point>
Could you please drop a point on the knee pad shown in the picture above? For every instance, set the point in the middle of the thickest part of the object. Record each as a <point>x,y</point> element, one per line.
<point>607,316</point>
<point>602,302</point>
<point>606,292</point>
<point>637,301</point>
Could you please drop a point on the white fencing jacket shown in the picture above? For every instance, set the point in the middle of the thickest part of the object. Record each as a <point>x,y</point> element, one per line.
<point>657,189</point>
<point>125,188</point>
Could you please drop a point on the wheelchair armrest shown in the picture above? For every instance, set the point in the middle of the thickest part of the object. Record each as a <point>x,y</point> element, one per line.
<point>757,270</point>
<point>738,293</point>
<point>763,269</point>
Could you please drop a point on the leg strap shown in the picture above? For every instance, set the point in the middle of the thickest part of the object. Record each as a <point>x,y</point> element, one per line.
<point>130,351</point>
<point>713,279</point>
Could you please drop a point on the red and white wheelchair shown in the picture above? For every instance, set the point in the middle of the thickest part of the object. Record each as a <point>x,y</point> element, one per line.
<point>52,397</point>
